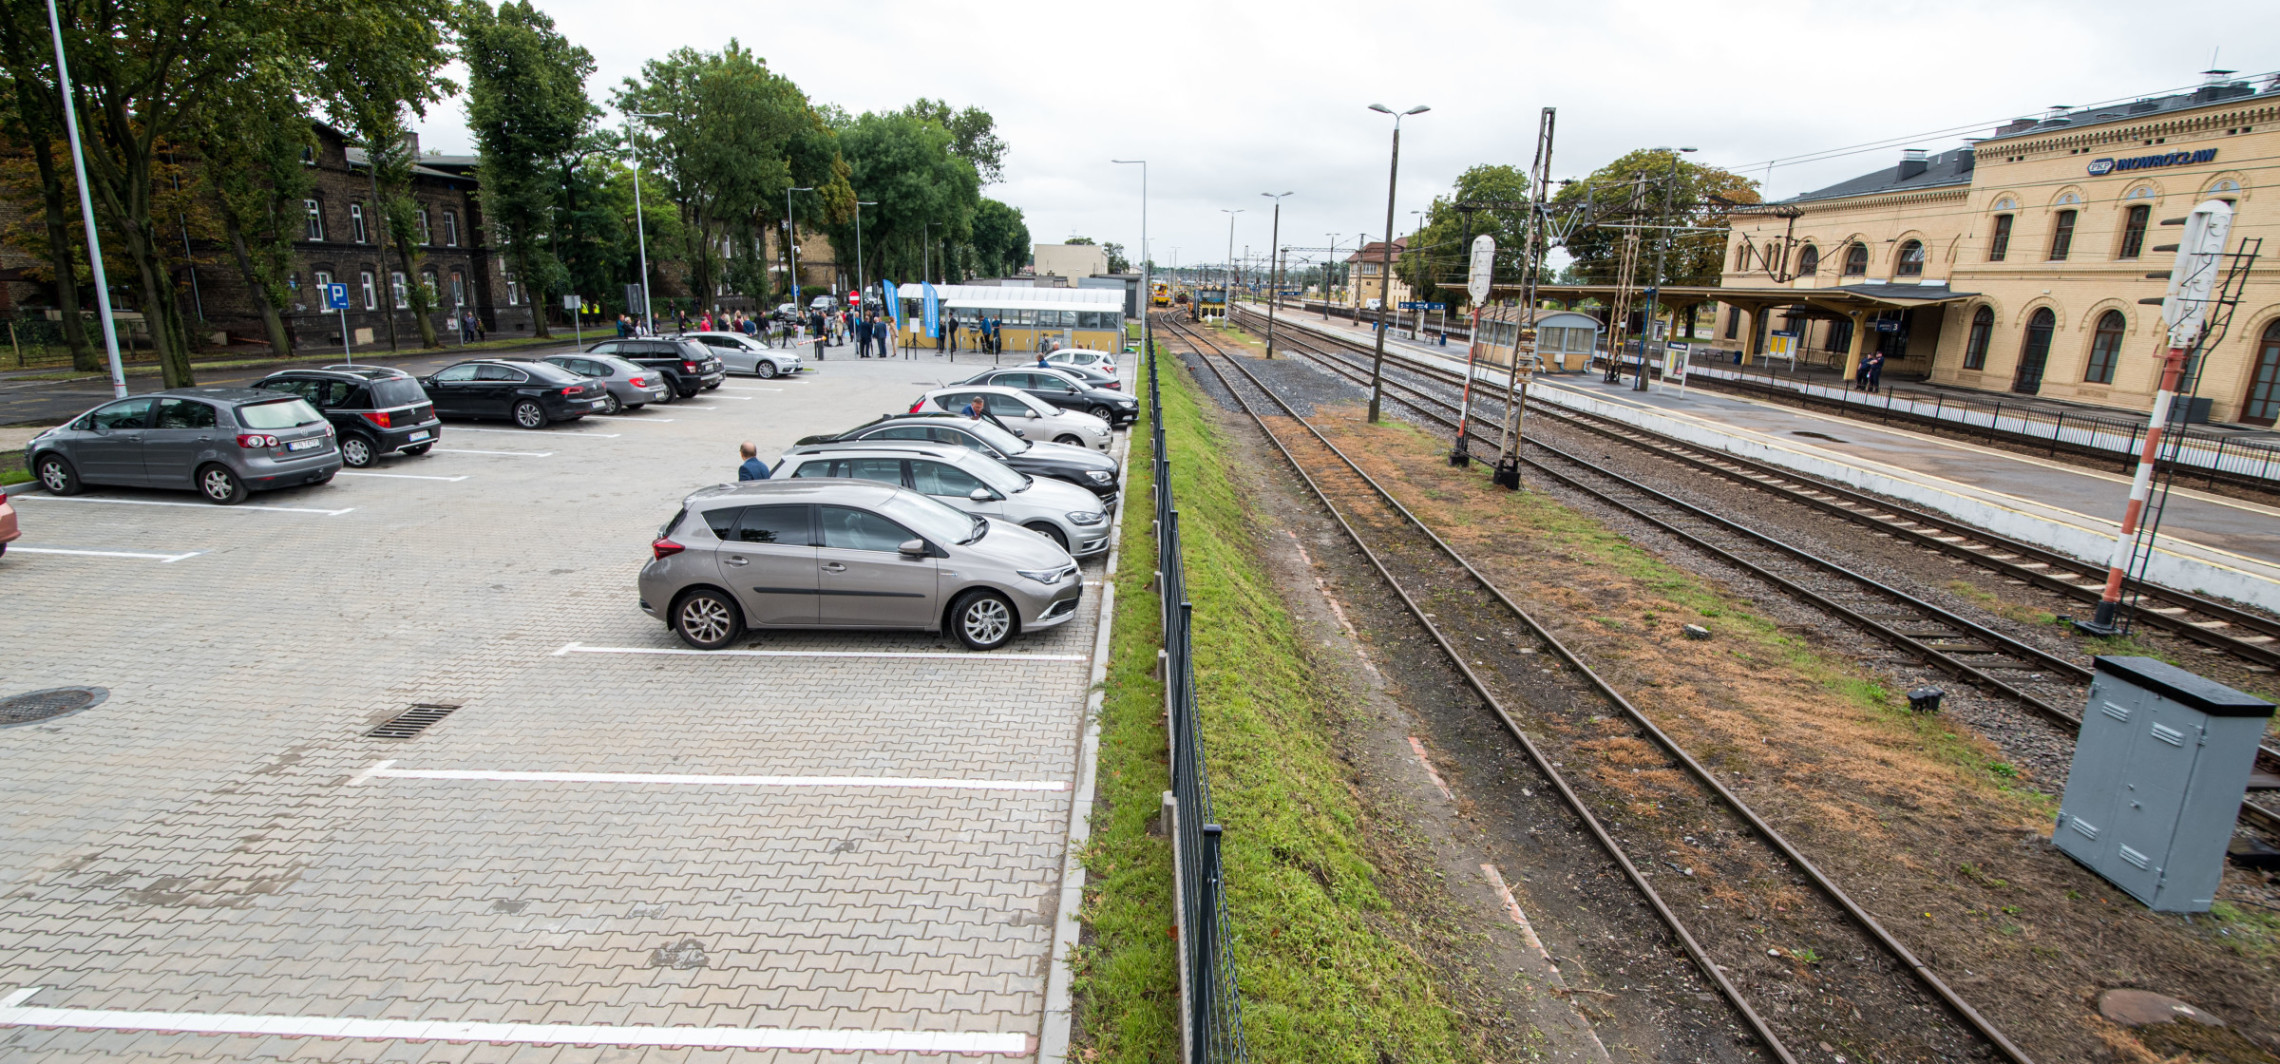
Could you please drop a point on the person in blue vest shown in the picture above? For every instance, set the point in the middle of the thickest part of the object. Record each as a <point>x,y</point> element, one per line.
<point>753,468</point>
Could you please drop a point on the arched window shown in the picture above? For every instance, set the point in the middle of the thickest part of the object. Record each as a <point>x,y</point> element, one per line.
<point>1999,242</point>
<point>2034,352</point>
<point>1911,261</point>
<point>2105,348</point>
<point>1809,261</point>
<point>2133,231</point>
<point>2263,406</point>
<point>1741,258</point>
<point>1856,260</point>
<point>2062,236</point>
<point>1975,344</point>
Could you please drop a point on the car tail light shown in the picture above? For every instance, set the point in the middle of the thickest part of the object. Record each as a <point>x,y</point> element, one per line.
<point>665,548</point>
<point>688,367</point>
<point>256,439</point>
<point>574,389</point>
<point>638,382</point>
<point>378,418</point>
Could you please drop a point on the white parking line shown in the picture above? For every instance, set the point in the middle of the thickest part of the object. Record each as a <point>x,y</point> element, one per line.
<point>18,548</point>
<point>14,1013</point>
<point>551,435</point>
<point>614,417</point>
<point>579,648</point>
<point>726,388</point>
<point>400,476</point>
<point>517,454</point>
<point>196,505</point>
<point>386,770</point>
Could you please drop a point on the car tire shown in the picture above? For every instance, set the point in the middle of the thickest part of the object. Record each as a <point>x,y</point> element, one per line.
<point>765,370</point>
<point>1069,439</point>
<point>220,486</point>
<point>635,406</point>
<point>530,415</point>
<point>419,449</point>
<point>706,619</point>
<point>357,451</point>
<point>611,404</point>
<point>1102,412</point>
<point>1049,531</point>
<point>983,620</point>
<point>58,477</point>
<point>712,386</point>
<point>689,393</point>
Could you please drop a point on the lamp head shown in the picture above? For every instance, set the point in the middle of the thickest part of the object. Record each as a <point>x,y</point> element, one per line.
<point>1417,110</point>
<point>1381,108</point>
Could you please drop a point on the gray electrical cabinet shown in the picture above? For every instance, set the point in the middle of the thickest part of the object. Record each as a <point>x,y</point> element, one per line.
<point>2159,772</point>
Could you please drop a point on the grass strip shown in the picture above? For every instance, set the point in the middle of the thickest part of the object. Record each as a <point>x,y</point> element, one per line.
<point>1320,978</point>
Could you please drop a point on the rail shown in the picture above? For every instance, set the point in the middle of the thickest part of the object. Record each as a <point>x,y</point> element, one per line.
<point>1211,1008</point>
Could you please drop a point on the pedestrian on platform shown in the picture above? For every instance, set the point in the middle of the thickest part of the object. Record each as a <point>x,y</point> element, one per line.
<point>753,468</point>
<point>1872,371</point>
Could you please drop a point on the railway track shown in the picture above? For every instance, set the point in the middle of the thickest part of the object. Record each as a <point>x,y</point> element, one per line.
<point>2036,680</point>
<point>2250,637</point>
<point>1872,992</point>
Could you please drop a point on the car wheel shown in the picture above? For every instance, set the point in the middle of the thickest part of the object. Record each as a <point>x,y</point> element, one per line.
<point>983,620</point>
<point>530,415</point>
<point>706,619</point>
<point>611,404</point>
<point>1070,439</point>
<point>1102,412</point>
<point>1050,532</point>
<point>685,393</point>
<point>357,451</point>
<point>221,486</point>
<point>712,386</point>
<point>57,476</point>
<point>418,449</point>
<point>635,406</point>
<point>766,370</point>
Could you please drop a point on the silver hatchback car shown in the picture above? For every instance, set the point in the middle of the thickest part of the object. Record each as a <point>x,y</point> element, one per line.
<point>223,443</point>
<point>831,553</point>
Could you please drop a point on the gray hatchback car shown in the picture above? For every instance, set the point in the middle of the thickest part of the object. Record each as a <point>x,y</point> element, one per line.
<point>830,553</point>
<point>220,442</point>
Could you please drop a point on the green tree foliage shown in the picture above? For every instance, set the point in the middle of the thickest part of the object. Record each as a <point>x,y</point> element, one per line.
<point>905,164</point>
<point>253,152</point>
<point>973,136</point>
<point>1614,191</point>
<point>28,121</point>
<point>1001,239</point>
<point>1440,255</point>
<point>527,106</point>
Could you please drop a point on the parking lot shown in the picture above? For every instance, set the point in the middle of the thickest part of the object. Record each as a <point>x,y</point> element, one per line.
<point>849,842</point>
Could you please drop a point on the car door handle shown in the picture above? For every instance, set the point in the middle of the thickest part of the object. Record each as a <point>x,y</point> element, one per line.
<point>834,567</point>
<point>737,561</point>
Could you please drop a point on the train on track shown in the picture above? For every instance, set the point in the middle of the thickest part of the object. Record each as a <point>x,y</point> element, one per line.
<point>1159,294</point>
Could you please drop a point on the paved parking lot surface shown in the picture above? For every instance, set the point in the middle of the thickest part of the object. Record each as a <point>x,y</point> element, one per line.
<point>849,842</point>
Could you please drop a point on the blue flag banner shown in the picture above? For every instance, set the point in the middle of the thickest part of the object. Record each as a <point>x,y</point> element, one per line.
<point>887,296</point>
<point>933,309</point>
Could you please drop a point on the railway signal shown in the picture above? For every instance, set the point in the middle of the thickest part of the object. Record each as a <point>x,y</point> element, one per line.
<point>1477,284</point>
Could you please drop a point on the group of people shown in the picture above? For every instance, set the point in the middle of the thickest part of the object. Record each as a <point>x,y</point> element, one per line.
<point>1870,376</point>
<point>873,333</point>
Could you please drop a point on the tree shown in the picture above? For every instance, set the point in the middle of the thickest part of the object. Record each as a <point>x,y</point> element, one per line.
<point>1117,263</point>
<point>253,153</point>
<point>527,106</point>
<point>1695,258</point>
<point>973,136</point>
<point>905,165</point>
<point>1000,240</point>
<point>30,124</point>
<point>1440,254</point>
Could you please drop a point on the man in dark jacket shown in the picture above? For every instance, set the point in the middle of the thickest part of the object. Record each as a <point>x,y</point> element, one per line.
<point>753,468</point>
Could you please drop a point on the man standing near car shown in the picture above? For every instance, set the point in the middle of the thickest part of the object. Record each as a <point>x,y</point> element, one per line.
<point>753,468</point>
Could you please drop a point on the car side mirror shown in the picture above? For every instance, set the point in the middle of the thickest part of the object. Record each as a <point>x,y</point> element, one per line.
<point>1034,415</point>
<point>981,495</point>
<point>914,548</point>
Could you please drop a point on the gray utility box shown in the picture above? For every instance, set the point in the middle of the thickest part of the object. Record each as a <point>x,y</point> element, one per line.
<point>2159,772</point>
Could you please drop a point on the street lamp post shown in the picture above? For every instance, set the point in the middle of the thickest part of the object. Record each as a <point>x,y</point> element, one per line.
<point>87,213</point>
<point>1385,278</point>
<point>1274,268</point>
<point>1654,289</point>
<point>1227,297</point>
<point>1146,350</point>
<point>792,244</point>
<point>861,278</point>
<point>640,231</point>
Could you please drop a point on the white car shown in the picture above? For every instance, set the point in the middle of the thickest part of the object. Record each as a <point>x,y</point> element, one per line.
<point>1060,511</point>
<point>1089,358</point>
<point>1026,415</point>
<point>739,353</point>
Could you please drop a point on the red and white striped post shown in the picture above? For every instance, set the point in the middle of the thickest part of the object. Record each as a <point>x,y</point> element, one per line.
<point>2184,309</point>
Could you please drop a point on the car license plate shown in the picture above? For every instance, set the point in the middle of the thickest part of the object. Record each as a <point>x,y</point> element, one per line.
<point>420,435</point>
<point>304,445</point>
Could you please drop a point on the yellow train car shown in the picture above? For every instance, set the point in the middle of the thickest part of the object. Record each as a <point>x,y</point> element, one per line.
<point>1159,294</point>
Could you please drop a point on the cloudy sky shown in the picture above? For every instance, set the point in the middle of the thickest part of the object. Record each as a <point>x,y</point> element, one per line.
<point>1228,100</point>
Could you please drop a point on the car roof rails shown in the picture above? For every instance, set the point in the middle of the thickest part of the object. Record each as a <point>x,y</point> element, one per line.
<point>930,450</point>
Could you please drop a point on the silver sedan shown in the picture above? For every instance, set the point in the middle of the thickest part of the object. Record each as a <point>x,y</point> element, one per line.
<point>1029,417</point>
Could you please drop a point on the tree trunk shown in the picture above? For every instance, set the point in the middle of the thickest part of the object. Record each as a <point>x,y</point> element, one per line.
<point>280,342</point>
<point>380,218</point>
<point>157,298</point>
<point>423,311</point>
<point>84,357</point>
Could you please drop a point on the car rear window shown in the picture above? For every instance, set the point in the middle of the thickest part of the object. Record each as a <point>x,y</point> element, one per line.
<point>397,391</point>
<point>278,414</point>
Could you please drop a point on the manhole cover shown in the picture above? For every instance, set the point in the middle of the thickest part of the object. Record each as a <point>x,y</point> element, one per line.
<point>54,702</point>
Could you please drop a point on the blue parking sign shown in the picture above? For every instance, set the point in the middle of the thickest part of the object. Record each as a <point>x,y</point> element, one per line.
<point>336,296</point>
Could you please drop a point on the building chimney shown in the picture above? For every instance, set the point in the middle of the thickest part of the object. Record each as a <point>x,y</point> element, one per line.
<point>1967,157</point>
<point>1912,162</point>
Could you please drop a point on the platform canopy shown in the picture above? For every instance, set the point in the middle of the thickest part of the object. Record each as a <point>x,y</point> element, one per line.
<point>1843,301</point>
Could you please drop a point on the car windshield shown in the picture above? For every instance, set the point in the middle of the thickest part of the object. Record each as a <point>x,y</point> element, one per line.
<point>1005,442</point>
<point>278,414</point>
<point>397,391</point>
<point>997,476</point>
<point>935,521</point>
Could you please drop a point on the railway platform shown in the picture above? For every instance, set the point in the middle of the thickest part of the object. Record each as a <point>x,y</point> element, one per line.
<point>2225,547</point>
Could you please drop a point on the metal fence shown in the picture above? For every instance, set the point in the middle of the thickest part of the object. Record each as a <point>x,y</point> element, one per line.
<point>2251,459</point>
<point>1211,1011</point>
<point>36,341</point>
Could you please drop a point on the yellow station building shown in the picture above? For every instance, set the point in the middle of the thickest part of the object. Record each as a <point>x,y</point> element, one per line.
<point>2019,264</point>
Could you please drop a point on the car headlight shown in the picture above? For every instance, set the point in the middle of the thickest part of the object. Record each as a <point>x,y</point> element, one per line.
<point>1100,476</point>
<point>1086,517</point>
<point>1047,577</point>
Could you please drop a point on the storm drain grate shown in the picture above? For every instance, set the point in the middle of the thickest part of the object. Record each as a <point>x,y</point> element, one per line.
<point>34,706</point>
<point>412,721</point>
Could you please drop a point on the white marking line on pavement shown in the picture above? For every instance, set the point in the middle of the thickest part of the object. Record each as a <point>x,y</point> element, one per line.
<point>385,770</point>
<point>551,435</point>
<point>726,388</point>
<point>649,420</point>
<point>14,1013</point>
<point>400,476</point>
<point>20,549</point>
<point>579,648</point>
<point>516,454</point>
<point>197,505</point>
<point>1429,770</point>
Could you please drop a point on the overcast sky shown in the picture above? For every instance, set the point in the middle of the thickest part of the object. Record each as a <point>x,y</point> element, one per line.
<point>1228,100</point>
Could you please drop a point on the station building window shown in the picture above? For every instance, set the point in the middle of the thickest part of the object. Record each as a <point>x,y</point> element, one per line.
<point>1999,244</point>
<point>1839,337</point>
<point>356,231</point>
<point>2034,351</point>
<point>371,296</point>
<point>1911,262</point>
<point>315,213</point>
<point>450,228</point>
<point>2133,231</point>
<point>1809,261</point>
<point>2062,236</point>
<point>2263,406</point>
<point>1975,343</point>
<point>397,289</point>
<point>1856,260</point>
<point>2105,348</point>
